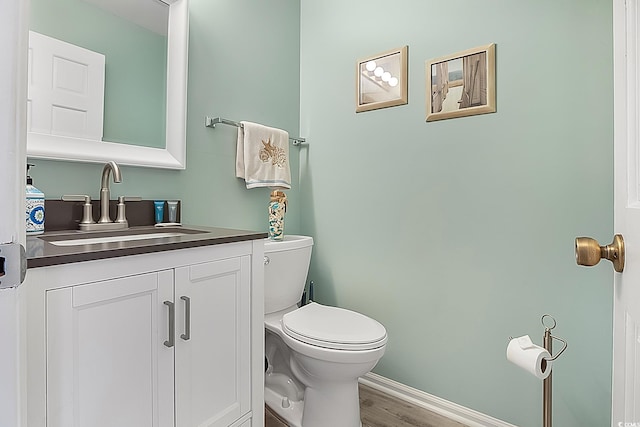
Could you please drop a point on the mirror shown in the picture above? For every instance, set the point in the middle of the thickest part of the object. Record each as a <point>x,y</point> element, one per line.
<point>381,80</point>
<point>127,144</point>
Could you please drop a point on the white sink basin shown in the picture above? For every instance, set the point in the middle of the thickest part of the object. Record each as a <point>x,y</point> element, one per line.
<point>111,239</point>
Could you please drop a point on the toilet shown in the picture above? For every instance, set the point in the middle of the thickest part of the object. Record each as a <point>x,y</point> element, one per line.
<point>314,353</point>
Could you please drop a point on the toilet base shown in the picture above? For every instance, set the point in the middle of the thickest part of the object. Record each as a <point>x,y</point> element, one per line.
<point>292,413</point>
<point>337,406</point>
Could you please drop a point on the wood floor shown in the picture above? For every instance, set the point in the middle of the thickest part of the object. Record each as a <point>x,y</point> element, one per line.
<point>378,409</point>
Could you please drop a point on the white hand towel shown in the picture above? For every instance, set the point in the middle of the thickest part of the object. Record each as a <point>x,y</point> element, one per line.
<point>262,156</point>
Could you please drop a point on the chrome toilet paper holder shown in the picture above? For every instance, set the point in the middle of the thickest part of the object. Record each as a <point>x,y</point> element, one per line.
<point>548,337</point>
<point>546,383</point>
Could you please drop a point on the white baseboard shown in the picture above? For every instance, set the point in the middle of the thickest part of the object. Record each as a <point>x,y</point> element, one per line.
<point>432,403</point>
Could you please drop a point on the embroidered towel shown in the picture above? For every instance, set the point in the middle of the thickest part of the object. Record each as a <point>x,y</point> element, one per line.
<point>262,156</point>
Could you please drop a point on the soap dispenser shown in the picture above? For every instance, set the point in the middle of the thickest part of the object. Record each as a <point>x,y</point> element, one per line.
<point>34,207</point>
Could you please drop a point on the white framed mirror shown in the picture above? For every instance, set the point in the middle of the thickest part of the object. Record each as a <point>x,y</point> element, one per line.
<point>169,151</point>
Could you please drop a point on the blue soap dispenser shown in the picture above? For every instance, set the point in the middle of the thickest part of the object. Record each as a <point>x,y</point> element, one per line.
<point>34,207</point>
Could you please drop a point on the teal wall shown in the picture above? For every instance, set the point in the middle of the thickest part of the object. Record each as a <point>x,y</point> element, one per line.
<point>454,234</point>
<point>458,234</point>
<point>135,83</point>
<point>244,58</point>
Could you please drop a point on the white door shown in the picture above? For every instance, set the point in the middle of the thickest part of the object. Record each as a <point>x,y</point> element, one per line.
<point>13,42</point>
<point>626,322</point>
<point>213,338</point>
<point>107,364</point>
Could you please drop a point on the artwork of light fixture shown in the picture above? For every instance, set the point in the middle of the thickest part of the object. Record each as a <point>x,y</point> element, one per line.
<point>382,80</point>
<point>380,74</point>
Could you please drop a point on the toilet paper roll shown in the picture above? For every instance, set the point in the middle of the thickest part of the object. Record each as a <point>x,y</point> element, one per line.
<point>530,357</point>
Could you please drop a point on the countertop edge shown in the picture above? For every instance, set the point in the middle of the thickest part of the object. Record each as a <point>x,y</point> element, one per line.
<point>50,256</point>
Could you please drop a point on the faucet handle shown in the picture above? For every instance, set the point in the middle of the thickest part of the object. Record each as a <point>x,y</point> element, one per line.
<point>76,198</point>
<point>121,217</point>
<point>87,208</point>
<point>122,199</point>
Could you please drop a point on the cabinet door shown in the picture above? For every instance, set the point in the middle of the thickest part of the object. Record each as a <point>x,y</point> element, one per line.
<point>213,355</point>
<point>106,362</point>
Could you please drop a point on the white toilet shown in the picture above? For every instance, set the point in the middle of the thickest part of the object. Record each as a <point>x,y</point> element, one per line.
<point>316,353</point>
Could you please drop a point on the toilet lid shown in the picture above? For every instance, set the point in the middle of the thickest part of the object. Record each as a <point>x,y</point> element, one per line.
<point>333,327</point>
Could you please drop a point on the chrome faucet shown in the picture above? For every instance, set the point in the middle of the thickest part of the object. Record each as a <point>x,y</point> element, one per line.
<point>104,189</point>
<point>104,223</point>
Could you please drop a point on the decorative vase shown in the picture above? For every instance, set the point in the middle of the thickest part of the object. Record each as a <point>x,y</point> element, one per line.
<point>277,209</point>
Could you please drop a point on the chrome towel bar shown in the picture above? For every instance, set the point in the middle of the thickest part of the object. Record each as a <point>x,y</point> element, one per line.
<point>212,122</point>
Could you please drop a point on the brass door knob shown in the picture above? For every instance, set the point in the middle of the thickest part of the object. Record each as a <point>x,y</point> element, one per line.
<point>589,252</point>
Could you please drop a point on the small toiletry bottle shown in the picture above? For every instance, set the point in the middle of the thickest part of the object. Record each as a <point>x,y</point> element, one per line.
<point>172,205</point>
<point>34,207</point>
<point>277,209</point>
<point>158,209</point>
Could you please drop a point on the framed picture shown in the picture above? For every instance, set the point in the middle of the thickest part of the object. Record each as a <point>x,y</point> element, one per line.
<point>462,84</point>
<point>381,80</point>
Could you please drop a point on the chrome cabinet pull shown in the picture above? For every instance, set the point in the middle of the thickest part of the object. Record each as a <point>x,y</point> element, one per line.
<point>187,318</point>
<point>172,323</point>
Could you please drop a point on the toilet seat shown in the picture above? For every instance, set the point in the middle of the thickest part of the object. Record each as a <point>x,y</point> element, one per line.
<point>334,328</point>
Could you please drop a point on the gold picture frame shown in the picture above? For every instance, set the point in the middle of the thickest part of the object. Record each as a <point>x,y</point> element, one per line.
<point>462,84</point>
<point>381,80</point>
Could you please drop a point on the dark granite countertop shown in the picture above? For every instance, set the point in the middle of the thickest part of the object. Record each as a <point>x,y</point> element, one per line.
<point>43,251</point>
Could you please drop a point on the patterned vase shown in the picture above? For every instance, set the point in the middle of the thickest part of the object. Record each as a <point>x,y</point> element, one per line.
<point>277,209</point>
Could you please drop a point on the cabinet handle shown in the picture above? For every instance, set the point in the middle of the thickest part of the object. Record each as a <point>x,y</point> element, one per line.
<point>172,323</point>
<point>187,318</point>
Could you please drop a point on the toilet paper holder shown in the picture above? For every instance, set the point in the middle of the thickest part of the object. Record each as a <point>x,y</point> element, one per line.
<point>548,337</point>
<point>546,383</point>
<point>549,323</point>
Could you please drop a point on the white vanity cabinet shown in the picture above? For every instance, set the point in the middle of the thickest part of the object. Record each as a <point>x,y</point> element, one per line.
<point>167,339</point>
<point>104,356</point>
<point>212,347</point>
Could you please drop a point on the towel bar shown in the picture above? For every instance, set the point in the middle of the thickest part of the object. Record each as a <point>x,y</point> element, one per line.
<point>212,122</point>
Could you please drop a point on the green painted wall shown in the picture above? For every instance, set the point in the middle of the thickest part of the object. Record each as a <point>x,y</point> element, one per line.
<point>454,234</point>
<point>244,61</point>
<point>458,234</point>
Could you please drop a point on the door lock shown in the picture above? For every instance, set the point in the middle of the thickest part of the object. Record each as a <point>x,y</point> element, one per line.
<point>589,252</point>
<point>13,265</point>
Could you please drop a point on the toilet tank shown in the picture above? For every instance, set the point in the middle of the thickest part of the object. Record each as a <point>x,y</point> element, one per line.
<point>285,271</point>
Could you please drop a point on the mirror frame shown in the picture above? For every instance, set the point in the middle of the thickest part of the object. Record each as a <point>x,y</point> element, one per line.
<point>173,155</point>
